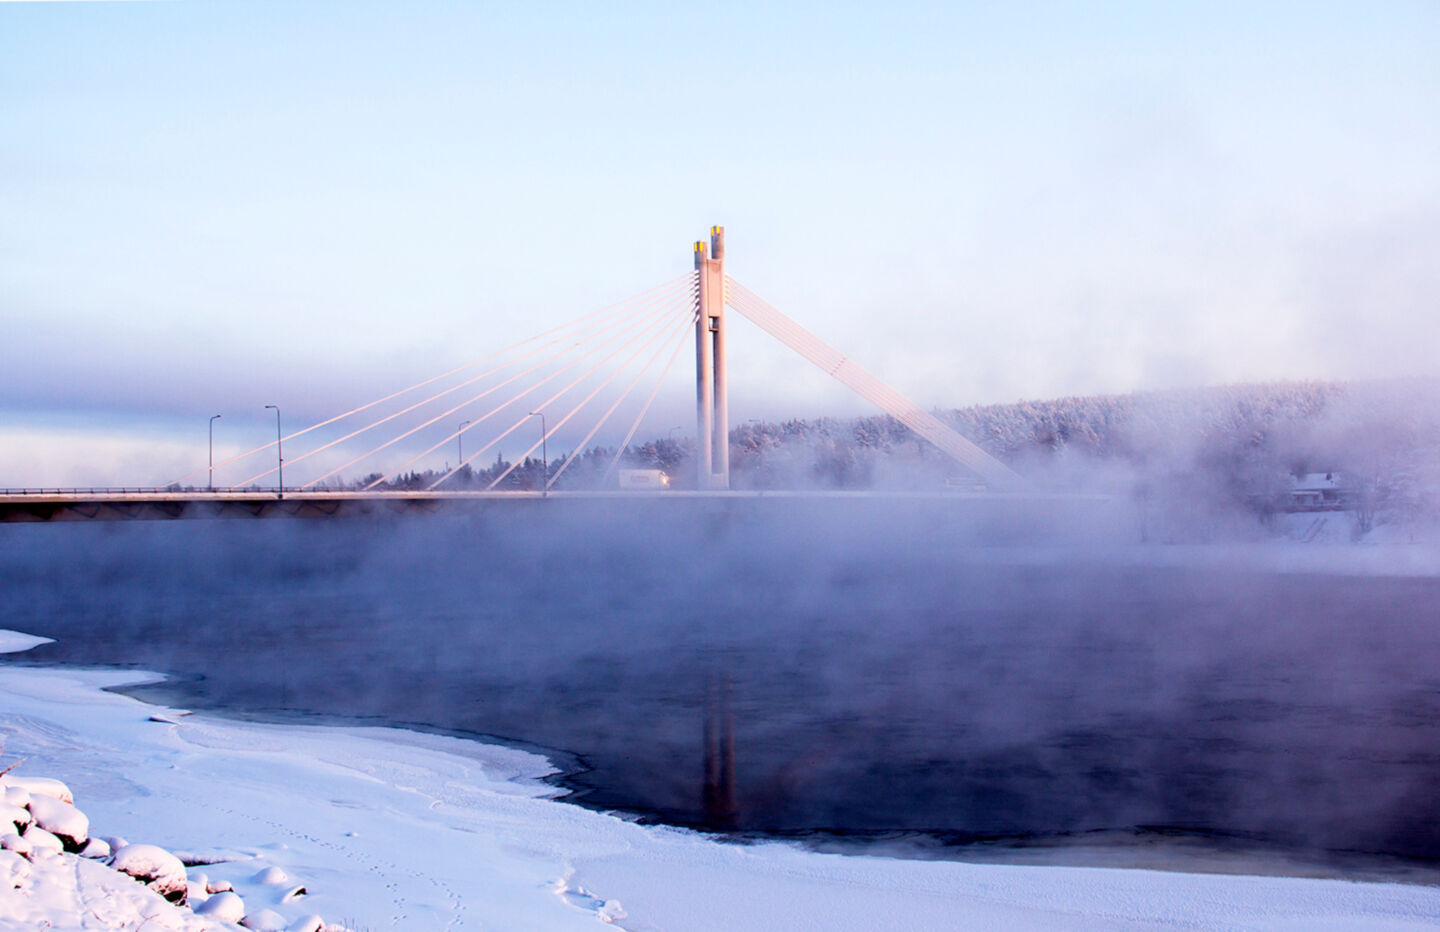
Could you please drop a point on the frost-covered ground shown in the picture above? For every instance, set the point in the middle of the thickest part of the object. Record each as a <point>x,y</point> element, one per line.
<point>391,829</point>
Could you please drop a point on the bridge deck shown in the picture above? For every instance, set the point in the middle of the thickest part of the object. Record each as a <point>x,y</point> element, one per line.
<point>159,504</point>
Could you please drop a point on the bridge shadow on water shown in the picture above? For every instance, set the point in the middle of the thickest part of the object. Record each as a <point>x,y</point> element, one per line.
<point>847,669</point>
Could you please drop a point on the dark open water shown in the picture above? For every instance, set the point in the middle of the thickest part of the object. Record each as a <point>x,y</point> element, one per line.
<point>843,667</point>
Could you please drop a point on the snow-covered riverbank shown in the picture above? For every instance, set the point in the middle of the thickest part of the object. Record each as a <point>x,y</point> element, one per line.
<point>393,829</point>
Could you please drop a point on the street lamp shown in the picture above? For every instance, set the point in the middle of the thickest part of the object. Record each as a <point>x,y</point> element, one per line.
<point>279,452</point>
<point>212,451</point>
<point>544,459</point>
<point>460,445</point>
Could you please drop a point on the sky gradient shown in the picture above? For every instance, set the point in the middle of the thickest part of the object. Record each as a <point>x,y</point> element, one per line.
<point>212,206</point>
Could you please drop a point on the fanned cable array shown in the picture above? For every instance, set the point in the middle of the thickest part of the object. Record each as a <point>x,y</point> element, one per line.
<point>471,409</point>
<point>564,377</point>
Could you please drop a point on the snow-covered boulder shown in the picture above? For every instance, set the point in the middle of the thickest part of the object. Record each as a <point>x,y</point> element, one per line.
<point>39,786</point>
<point>96,848</point>
<point>155,867</point>
<point>62,820</point>
<point>271,876</point>
<point>266,920</point>
<point>42,841</point>
<point>19,815</point>
<point>17,796</point>
<point>307,924</point>
<point>16,843</point>
<point>224,906</point>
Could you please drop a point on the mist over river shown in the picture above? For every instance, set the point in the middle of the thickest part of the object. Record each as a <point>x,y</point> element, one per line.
<point>991,670</point>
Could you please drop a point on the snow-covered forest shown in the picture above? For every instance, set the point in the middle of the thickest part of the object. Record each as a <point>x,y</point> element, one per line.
<point>1243,447</point>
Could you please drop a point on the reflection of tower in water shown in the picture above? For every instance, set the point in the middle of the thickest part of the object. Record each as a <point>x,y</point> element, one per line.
<point>718,793</point>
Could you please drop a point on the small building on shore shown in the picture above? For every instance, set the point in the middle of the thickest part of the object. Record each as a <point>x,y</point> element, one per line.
<point>1319,491</point>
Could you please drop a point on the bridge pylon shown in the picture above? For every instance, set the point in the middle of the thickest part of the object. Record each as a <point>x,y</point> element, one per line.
<point>712,404</point>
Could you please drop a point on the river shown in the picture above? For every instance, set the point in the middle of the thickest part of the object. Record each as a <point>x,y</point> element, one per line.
<point>827,671</point>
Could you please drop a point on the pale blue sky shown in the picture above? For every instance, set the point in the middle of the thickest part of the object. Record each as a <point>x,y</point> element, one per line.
<point>209,206</point>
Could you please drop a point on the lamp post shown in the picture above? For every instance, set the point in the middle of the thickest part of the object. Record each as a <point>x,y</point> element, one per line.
<point>279,452</point>
<point>460,444</point>
<point>544,459</point>
<point>212,451</point>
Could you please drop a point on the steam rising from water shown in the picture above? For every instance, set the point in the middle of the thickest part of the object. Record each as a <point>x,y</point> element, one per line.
<point>964,666</point>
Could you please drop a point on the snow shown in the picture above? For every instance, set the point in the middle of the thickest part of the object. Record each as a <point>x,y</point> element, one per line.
<point>16,815</point>
<point>62,820</point>
<point>225,906</point>
<point>155,867</point>
<point>1316,481</point>
<point>16,843</point>
<point>40,840</point>
<point>266,920</point>
<point>64,893</point>
<point>37,786</point>
<point>391,829</point>
<point>13,642</point>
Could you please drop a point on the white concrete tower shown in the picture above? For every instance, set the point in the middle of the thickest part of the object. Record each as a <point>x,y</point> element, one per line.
<point>712,406</point>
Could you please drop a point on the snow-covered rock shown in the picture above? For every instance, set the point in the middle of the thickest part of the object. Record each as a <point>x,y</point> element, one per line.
<point>17,796</point>
<point>16,843</point>
<point>41,840</point>
<point>271,876</point>
<point>39,786</point>
<point>62,820</point>
<point>307,924</point>
<point>155,867</point>
<point>96,848</point>
<point>18,815</point>
<point>225,906</point>
<point>65,893</point>
<point>266,920</point>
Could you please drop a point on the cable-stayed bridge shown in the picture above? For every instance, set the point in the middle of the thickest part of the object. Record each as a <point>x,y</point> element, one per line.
<point>600,372</point>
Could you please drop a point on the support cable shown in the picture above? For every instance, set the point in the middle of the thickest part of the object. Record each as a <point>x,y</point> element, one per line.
<point>478,420</point>
<point>520,422</point>
<point>620,451</point>
<point>657,319</point>
<point>579,450</point>
<point>690,276</point>
<point>616,319</point>
<point>661,336</point>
